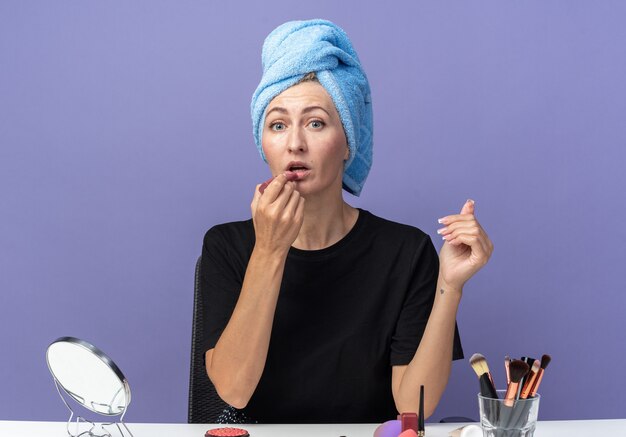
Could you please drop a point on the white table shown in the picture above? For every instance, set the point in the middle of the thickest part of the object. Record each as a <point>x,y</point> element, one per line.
<point>568,428</point>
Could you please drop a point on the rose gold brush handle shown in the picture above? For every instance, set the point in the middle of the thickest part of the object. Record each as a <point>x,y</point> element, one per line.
<point>530,380</point>
<point>507,362</point>
<point>535,387</point>
<point>511,392</point>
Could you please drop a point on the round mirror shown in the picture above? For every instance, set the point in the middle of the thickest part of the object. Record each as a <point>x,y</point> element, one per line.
<point>88,376</point>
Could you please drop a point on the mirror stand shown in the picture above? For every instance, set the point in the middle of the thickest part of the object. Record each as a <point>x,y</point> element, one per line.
<point>79,419</point>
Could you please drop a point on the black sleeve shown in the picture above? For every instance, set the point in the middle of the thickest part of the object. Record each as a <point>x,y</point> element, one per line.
<point>417,307</point>
<point>220,285</point>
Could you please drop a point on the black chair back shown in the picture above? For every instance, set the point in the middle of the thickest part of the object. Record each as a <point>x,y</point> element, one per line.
<point>205,405</point>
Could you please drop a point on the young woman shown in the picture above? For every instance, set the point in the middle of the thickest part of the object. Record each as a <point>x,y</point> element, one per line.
<point>318,311</point>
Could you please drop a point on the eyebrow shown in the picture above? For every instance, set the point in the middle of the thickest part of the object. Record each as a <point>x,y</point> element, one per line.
<point>304,111</point>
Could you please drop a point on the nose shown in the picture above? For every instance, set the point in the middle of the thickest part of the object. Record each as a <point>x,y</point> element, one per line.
<point>297,140</point>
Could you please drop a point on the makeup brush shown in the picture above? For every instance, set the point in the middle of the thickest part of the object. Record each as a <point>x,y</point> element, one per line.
<point>530,379</point>
<point>507,362</point>
<point>545,360</point>
<point>420,419</point>
<point>519,418</point>
<point>529,361</point>
<point>518,369</point>
<point>480,366</point>
<point>519,414</point>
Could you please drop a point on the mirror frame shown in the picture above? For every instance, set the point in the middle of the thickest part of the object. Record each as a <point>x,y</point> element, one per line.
<point>104,358</point>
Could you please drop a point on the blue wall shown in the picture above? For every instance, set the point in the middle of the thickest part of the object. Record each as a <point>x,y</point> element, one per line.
<point>125,134</point>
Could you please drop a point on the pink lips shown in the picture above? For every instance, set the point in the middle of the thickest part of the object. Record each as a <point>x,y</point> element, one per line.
<point>291,176</point>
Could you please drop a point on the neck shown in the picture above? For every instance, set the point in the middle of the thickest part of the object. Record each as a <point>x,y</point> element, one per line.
<point>326,221</point>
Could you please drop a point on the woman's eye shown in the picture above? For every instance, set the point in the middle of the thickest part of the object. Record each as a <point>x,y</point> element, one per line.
<point>317,124</point>
<point>277,126</point>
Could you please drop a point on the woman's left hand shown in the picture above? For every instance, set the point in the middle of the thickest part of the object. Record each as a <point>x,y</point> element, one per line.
<point>466,249</point>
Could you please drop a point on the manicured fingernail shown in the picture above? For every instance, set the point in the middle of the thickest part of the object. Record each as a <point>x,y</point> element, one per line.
<point>439,231</point>
<point>440,220</point>
<point>471,201</point>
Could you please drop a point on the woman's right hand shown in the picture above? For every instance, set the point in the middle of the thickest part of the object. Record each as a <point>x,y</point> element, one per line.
<point>277,214</point>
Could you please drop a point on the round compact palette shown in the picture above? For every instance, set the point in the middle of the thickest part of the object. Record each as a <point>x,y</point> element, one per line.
<point>227,432</point>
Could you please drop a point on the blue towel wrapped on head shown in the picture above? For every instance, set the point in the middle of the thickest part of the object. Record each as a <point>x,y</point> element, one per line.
<point>296,48</point>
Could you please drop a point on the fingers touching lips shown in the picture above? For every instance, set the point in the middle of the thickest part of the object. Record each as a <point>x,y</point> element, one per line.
<point>291,176</point>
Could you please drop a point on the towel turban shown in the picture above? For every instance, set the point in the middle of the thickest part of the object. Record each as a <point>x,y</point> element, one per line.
<point>296,48</point>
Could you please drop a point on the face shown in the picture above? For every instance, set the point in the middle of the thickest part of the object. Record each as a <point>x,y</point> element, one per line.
<point>303,133</point>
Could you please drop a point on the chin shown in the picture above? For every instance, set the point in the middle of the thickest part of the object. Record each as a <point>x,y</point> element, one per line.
<point>308,188</point>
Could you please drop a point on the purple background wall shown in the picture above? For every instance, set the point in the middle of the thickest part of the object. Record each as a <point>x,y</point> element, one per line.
<point>125,134</point>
